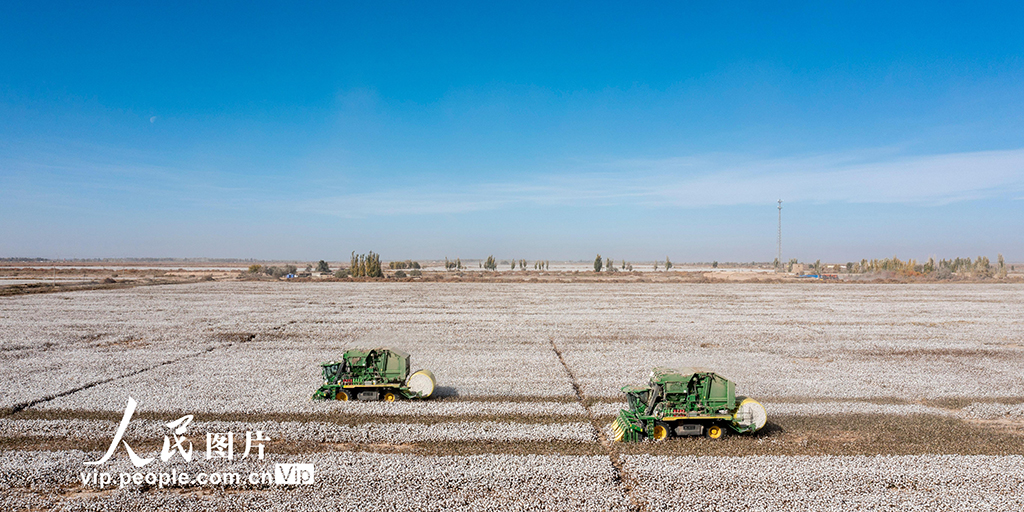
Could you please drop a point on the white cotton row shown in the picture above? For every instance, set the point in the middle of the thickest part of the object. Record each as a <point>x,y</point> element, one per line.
<point>343,481</point>
<point>392,433</point>
<point>826,483</point>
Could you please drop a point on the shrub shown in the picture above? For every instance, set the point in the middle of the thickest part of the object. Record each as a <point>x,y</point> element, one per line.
<point>274,271</point>
<point>341,273</point>
<point>255,269</point>
<point>401,265</point>
<point>415,273</point>
<point>400,273</point>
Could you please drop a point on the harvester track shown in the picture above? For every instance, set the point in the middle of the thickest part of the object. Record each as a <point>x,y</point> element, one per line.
<point>16,408</point>
<point>623,479</point>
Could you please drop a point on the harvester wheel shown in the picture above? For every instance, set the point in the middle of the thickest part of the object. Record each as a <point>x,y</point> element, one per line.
<point>389,397</point>
<point>342,396</point>
<point>714,432</point>
<point>661,431</point>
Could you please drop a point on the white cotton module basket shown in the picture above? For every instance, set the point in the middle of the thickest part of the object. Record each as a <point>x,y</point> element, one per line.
<point>422,382</point>
<point>750,412</point>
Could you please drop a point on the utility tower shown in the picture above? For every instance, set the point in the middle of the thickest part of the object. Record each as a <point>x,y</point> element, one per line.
<point>778,257</point>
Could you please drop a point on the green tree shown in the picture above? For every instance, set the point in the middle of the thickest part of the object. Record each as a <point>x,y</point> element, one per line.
<point>668,264</point>
<point>373,266</point>
<point>365,265</point>
<point>598,263</point>
<point>714,264</point>
<point>321,266</point>
<point>490,263</point>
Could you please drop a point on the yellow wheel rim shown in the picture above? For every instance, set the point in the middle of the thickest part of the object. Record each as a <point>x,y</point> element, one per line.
<point>660,432</point>
<point>714,432</point>
<point>343,396</point>
<point>389,397</point>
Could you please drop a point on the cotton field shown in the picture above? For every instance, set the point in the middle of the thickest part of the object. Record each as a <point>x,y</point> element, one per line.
<point>878,396</point>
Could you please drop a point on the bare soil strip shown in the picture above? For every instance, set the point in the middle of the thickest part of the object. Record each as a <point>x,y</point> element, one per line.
<point>859,434</point>
<point>76,286</point>
<point>854,434</point>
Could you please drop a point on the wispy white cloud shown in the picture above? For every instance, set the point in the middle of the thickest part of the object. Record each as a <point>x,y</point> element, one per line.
<point>717,180</point>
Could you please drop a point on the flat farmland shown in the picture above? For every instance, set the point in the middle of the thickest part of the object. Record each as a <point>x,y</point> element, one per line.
<point>879,396</point>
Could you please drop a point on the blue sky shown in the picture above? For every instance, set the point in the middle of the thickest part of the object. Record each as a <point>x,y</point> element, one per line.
<point>424,130</point>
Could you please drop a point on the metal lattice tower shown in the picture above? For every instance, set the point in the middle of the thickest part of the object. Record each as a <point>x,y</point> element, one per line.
<point>779,255</point>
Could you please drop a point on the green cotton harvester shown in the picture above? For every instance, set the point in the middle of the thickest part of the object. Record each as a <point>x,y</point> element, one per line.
<point>686,402</point>
<point>373,374</point>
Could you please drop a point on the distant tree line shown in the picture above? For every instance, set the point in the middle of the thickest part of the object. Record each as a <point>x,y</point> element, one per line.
<point>272,270</point>
<point>942,269</point>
